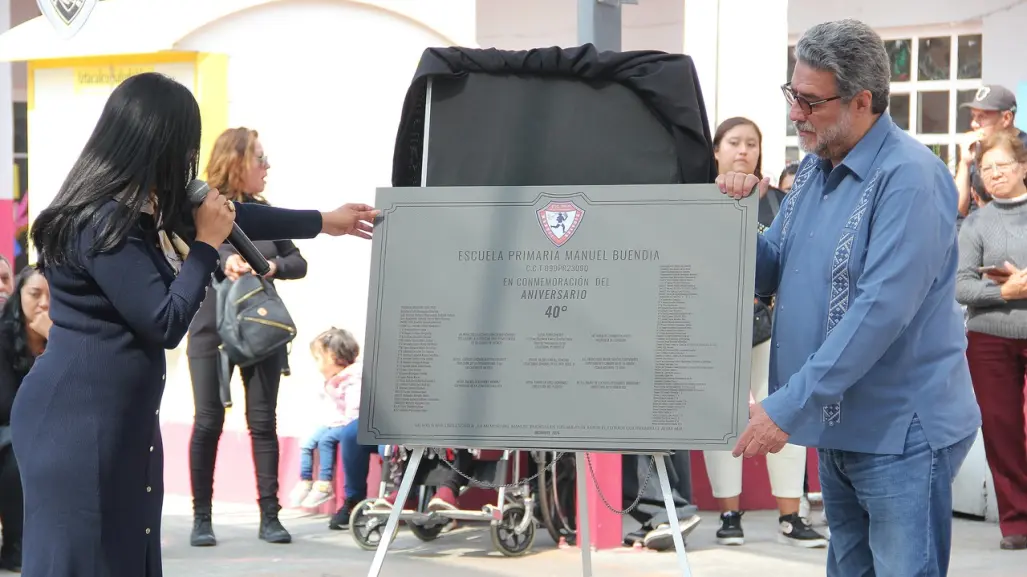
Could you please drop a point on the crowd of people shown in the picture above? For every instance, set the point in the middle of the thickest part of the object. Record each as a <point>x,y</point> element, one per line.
<point>881,338</point>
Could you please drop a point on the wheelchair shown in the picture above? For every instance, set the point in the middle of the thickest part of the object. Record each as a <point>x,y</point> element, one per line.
<point>556,487</point>
<point>511,519</point>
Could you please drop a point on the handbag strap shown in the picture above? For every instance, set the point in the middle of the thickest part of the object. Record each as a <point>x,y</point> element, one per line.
<point>224,378</point>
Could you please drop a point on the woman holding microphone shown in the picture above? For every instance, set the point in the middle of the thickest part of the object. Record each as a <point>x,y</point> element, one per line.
<point>128,261</point>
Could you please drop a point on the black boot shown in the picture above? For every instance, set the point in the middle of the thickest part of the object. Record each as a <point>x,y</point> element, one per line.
<point>271,529</point>
<point>10,556</point>
<point>340,520</point>
<point>203,531</point>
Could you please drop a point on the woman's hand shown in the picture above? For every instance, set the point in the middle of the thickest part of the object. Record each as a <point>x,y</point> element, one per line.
<point>1015,285</point>
<point>214,219</point>
<point>236,266</point>
<point>41,324</point>
<point>354,219</point>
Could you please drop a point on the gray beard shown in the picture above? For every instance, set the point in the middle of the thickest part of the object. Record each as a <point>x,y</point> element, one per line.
<point>832,139</point>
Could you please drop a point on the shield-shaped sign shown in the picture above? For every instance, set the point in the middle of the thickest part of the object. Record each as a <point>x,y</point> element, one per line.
<point>67,16</point>
<point>559,220</point>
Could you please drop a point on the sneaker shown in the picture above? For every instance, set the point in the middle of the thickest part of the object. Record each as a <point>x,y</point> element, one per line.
<point>322,492</point>
<point>730,532</point>
<point>444,500</point>
<point>299,493</point>
<point>636,538</point>
<point>662,537</point>
<point>1013,543</point>
<point>797,531</point>
<point>340,520</point>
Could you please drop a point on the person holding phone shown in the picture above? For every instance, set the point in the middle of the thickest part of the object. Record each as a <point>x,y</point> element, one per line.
<point>994,289</point>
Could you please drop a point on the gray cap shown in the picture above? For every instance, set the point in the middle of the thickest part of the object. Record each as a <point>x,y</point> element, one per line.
<point>992,97</point>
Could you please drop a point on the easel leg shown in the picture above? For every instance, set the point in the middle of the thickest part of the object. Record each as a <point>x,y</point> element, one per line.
<point>672,514</point>
<point>393,523</point>
<point>584,537</point>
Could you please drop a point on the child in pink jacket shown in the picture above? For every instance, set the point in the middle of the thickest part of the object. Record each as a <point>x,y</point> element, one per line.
<point>336,353</point>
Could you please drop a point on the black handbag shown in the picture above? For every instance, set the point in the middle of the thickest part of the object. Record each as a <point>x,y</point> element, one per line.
<point>253,323</point>
<point>761,323</point>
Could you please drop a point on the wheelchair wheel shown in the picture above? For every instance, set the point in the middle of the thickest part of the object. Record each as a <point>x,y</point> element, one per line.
<point>505,536</point>
<point>367,530</point>
<point>557,491</point>
<point>427,532</point>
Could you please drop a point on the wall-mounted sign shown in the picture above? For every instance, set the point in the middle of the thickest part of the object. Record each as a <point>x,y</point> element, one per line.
<point>67,16</point>
<point>105,78</point>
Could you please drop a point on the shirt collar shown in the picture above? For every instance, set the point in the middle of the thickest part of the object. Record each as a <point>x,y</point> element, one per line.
<point>862,156</point>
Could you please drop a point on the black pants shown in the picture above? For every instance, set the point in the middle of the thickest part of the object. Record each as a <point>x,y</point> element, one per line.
<point>463,461</point>
<point>12,505</point>
<point>651,511</point>
<point>261,383</point>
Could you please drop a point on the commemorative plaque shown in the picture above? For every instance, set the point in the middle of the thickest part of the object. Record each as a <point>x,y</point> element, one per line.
<point>611,318</point>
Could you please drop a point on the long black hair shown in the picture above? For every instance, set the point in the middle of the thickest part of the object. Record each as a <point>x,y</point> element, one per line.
<point>12,325</point>
<point>145,146</point>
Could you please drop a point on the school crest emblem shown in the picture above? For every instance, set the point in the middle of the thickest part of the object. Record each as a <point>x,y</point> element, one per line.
<point>559,220</point>
<point>67,16</point>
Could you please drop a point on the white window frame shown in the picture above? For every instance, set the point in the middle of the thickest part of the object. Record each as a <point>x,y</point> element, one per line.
<point>953,85</point>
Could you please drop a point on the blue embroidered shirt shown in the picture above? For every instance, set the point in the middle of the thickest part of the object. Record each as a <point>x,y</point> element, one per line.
<point>867,333</point>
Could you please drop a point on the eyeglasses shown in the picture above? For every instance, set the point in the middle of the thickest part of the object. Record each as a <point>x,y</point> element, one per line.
<point>263,161</point>
<point>997,167</point>
<point>804,103</point>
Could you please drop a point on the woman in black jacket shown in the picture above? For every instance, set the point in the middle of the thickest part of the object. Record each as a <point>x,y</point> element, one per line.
<point>237,168</point>
<point>24,329</point>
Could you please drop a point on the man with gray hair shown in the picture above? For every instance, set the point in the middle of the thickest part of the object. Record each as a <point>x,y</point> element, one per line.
<point>868,362</point>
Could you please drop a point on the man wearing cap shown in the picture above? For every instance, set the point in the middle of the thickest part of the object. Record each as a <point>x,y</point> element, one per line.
<point>993,108</point>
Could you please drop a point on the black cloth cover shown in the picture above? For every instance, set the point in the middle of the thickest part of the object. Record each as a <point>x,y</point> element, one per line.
<point>533,118</point>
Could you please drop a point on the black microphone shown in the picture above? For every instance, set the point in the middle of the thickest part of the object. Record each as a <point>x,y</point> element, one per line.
<point>197,191</point>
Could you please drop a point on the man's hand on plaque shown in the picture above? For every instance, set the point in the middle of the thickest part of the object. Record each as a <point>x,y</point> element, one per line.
<point>762,436</point>
<point>740,185</point>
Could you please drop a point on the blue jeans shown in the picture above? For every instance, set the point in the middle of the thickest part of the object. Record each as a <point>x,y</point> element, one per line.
<point>307,454</point>
<point>356,459</point>
<point>891,515</point>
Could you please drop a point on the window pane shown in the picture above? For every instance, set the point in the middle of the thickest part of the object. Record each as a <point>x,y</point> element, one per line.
<point>899,107</point>
<point>935,58</point>
<point>969,56</point>
<point>789,125</point>
<point>963,114</point>
<point>21,128</point>
<point>941,150</point>
<point>791,63</point>
<point>900,52</point>
<point>933,112</point>
<point>791,154</point>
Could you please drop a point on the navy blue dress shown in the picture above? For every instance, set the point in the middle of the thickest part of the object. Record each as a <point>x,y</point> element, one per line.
<point>85,422</point>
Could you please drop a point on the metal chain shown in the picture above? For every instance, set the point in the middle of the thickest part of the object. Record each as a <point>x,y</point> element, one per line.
<point>638,499</point>
<point>441,452</point>
<point>588,458</point>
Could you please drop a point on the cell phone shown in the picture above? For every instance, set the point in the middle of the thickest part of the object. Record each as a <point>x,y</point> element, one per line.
<point>993,270</point>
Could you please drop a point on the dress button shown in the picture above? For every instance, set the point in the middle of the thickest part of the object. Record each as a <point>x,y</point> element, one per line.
<point>164,377</point>
<point>147,530</point>
<point>148,489</point>
<point>825,197</point>
<point>151,448</point>
<point>157,412</point>
<point>811,235</point>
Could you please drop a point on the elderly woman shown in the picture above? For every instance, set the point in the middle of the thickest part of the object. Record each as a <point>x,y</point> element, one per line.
<point>990,282</point>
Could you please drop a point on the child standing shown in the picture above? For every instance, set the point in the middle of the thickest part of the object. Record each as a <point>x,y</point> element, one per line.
<point>336,353</point>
